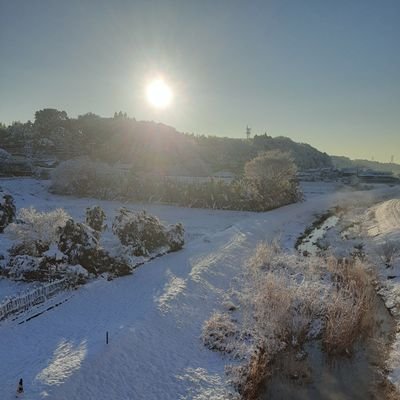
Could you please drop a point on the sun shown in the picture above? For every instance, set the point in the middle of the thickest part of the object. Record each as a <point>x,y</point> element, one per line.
<point>159,94</point>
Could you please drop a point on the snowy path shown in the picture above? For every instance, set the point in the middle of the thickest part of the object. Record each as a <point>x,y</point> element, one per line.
<point>154,317</point>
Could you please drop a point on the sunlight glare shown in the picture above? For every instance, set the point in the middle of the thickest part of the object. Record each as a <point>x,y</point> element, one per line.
<point>159,94</point>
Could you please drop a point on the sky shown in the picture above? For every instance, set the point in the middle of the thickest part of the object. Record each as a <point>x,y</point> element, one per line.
<point>323,72</point>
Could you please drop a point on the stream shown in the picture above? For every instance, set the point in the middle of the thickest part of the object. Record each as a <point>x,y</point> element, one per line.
<point>309,245</point>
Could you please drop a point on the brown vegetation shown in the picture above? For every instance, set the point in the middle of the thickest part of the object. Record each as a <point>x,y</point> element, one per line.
<point>290,299</point>
<point>350,309</point>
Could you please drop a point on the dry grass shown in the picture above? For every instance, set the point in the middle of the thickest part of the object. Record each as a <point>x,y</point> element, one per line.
<point>283,309</point>
<point>350,309</point>
<point>248,378</point>
<point>219,332</point>
<point>256,374</point>
<point>264,255</point>
<point>288,300</point>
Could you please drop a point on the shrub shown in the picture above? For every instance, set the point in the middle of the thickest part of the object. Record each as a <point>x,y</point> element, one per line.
<point>34,226</point>
<point>144,233</point>
<point>271,180</point>
<point>79,242</point>
<point>95,217</point>
<point>20,265</point>
<point>33,248</point>
<point>30,269</point>
<point>175,236</point>
<point>7,211</point>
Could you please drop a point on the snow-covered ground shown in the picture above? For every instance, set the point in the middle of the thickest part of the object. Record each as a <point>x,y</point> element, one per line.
<point>382,223</point>
<point>154,317</point>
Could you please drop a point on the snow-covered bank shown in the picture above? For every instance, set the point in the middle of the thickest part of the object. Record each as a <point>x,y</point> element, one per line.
<point>382,224</point>
<point>154,317</point>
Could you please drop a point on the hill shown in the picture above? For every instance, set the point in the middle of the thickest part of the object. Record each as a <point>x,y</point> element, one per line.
<point>145,146</point>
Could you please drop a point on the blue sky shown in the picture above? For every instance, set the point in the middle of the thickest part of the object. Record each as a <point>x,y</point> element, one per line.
<point>324,72</point>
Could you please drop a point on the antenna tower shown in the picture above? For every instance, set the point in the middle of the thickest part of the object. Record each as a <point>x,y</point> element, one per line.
<point>248,132</point>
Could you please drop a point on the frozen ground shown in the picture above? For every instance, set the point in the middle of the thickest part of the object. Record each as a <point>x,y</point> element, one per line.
<point>153,317</point>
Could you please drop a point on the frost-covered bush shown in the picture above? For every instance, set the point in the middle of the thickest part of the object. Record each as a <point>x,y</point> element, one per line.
<point>35,226</point>
<point>282,310</point>
<point>20,265</point>
<point>29,268</point>
<point>76,240</point>
<point>48,267</point>
<point>176,236</point>
<point>95,217</point>
<point>219,333</point>
<point>144,233</point>
<point>79,242</point>
<point>34,248</point>
<point>83,177</point>
<point>7,211</point>
<point>270,180</point>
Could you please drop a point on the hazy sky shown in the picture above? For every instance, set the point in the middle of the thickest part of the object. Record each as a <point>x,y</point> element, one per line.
<point>325,72</point>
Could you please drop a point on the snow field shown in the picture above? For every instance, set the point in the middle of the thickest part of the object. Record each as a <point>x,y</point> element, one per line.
<point>154,317</point>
